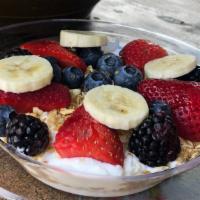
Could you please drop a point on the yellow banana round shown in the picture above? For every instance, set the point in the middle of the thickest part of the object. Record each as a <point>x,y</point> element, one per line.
<point>116,107</point>
<point>19,74</point>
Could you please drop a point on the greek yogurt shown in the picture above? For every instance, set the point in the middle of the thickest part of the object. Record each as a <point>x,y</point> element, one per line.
<point>132,165</point>
<point>84,165</point>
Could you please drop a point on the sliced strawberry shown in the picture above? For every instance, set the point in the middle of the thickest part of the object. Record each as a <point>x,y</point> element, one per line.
<point>139,52</point>
<point>53,48</point>
<point>195,84</point>
<point>82,136</point>
<point>48,98</point>
<point>184,99</point>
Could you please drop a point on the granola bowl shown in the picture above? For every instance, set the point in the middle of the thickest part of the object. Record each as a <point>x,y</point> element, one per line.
<point>89,184</point>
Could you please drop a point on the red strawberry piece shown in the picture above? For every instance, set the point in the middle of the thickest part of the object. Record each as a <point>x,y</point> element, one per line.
<point>139,52</point>
<point>53,48</point>
<point>195,84</point>
<point>48,98</point>
<point>184,99</point>
<point>82,136</point>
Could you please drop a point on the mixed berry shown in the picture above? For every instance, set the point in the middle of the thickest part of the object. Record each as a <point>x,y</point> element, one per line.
<point>109,63</point>
<point>128,76</point>
<point>90,55</point>
<point>194,75</point>
<point>57,71</point>
<point>14,52</point>
<point>165,109</point>
<point>95,79</point>
<point>28,134</point>
<point>155,142</point>
<point>72,77</point>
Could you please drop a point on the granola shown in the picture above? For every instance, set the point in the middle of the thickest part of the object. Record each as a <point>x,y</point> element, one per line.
<point>55,118</point>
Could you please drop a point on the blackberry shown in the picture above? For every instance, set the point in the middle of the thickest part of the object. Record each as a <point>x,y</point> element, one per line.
<point>14,52</point>
<point>194,75</point>
<point>28,134</point>
<point>155,142</point>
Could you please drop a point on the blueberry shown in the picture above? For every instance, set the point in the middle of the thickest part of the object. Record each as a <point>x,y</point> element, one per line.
<point>57,72</point>
<point>127,76</point>
<point>14,52</point>
<point>5,113</point>
<point>95,79</point>
<point>108,63</point>
<point>73,77</point>
<point>90,55</point>
<point>194,75</point>
<point>160,107</point>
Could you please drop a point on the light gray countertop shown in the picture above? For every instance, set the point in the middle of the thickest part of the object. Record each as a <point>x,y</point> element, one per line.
<point>176,18</point>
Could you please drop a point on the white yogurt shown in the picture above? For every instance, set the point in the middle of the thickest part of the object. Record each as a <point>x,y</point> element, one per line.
<point>83,165</point>
<point>132,166</point>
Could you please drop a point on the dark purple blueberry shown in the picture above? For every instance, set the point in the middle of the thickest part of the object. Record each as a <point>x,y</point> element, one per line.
<point>95,79</point>
<point>194,75</point>
<point>14,52</point>
<point>160,107</point>
<point>73,77</point>
<point>90,55</point>
<point>108,64</point>
<point>127,76</point>
<point>57,71</point>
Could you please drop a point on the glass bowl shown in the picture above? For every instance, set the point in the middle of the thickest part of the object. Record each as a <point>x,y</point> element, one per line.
<point>74,181</point>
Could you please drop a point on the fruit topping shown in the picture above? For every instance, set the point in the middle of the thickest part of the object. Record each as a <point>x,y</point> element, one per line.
<point>95,79</point>
<point>52,48</point>
<point>20,74</point>
<point>139,52</point>
<point>73,77</point>
<point>184,99</point>
<point>82,136</point>
<point>57,71</point>
<point>194,75</point>
<point>51,97</point>
<point>28,134</point>
<point>72,38</point>
<point>116,107</point>
<point>171,66</point>
<point>108,63</point>
<point>128,77</point>
<point>90,55</point>
<point>155,142</point>
<point>160,108</point>
<point>41,72</point>
<point>14,52</point>
<point>5,113</point>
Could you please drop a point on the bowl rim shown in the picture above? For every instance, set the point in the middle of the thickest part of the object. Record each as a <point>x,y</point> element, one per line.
<point>165,173</point>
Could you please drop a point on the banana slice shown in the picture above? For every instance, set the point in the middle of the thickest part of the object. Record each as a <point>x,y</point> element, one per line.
<point>171,66</point>
<point>70,38</point>
<point>116,107</point>
<point>20,74</point>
